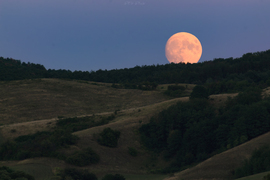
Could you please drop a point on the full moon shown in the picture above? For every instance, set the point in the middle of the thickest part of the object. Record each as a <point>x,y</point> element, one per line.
<point>183,47</point>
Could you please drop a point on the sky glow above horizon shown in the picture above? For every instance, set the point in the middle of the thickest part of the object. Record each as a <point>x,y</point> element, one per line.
<point>113,34</point>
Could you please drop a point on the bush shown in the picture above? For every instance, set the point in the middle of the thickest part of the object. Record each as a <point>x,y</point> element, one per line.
<point>109,137</point>
<point>83,158</point>
<point>113,177</point>
<point>132,151</point>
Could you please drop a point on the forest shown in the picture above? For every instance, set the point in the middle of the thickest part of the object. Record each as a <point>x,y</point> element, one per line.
<point>190,132</point>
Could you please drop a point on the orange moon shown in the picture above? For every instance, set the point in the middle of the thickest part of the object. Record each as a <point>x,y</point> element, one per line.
<point>183,47</point>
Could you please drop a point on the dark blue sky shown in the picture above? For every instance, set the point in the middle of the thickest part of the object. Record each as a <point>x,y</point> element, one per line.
<point>113,34</point>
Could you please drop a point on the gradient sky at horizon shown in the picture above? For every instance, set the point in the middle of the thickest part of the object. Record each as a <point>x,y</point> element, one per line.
<point>113,34</point>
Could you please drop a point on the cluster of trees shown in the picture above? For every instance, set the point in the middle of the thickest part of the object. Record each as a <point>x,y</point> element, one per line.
<point>40,144</point>
<point>192,131</point>
<point>220,75</point>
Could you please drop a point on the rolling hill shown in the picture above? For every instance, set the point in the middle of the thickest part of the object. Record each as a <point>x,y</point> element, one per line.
<point>35,105</point>
<point>29,106</point>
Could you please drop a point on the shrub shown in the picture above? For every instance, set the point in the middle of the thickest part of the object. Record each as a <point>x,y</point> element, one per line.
<point>132,151</point>
<point>109,137</point>
<point>83,158</point>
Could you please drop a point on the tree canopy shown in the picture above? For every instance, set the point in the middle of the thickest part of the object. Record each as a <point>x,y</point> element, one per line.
<point>219,75</point>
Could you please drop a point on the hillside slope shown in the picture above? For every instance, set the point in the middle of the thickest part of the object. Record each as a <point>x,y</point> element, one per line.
<point>221,166</point>
<point>28,100</point>
<point>114,160</point>
<point>24,101</point>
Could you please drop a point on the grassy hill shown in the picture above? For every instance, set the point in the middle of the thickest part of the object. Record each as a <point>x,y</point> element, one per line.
<point>29,106</point>
<point>29,100</point>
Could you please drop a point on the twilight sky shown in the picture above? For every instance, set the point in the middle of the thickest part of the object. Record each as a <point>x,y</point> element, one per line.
<point>113,34</point>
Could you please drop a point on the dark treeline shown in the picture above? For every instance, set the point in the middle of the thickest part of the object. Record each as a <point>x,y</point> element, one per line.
<point>221,75</point>
<point>11,69</point>
<point>190,132</point>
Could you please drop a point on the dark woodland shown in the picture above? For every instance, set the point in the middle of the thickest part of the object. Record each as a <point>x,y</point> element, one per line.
<point>219,75</point>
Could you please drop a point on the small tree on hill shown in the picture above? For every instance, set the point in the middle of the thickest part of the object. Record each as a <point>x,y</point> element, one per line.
<point>109,137</point>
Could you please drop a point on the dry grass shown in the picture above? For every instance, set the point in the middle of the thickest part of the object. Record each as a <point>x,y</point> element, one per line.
<point>29,100</point>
